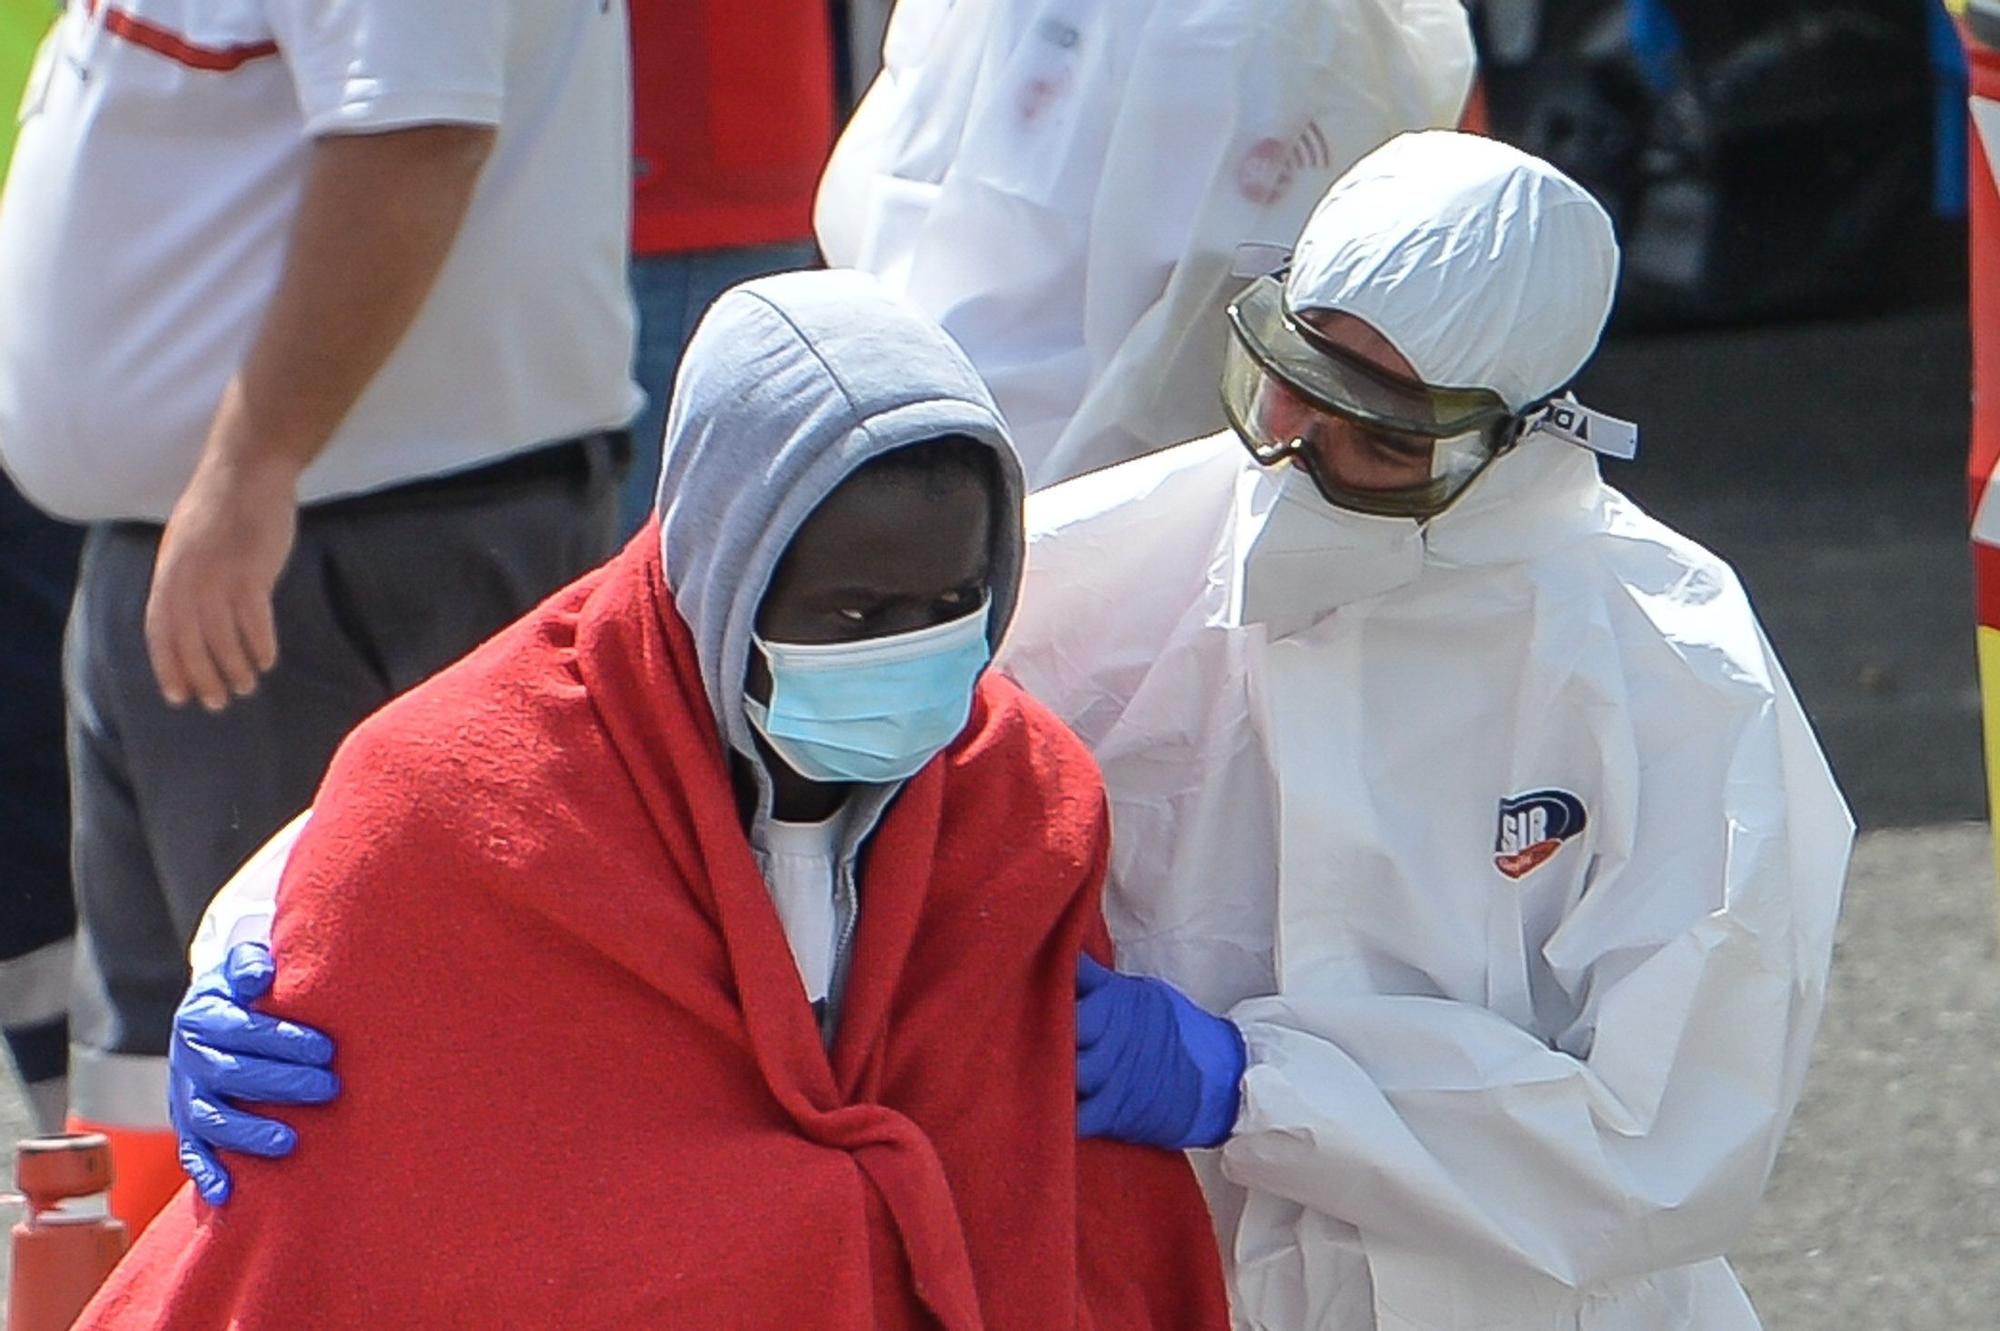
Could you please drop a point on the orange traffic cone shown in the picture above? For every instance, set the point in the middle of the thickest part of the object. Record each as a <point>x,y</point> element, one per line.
<point>61,1255</point>
<point>146,1169</point>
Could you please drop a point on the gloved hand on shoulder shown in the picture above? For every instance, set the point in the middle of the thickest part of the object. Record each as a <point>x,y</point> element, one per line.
<point>222,1053</point>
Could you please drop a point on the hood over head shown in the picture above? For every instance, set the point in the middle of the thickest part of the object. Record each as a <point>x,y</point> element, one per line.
<point>1485,267</point>
<point>789,384</point>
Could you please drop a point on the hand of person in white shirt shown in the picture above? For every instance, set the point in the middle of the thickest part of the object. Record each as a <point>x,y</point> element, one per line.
<point>377,218</point>
<point>209,628</point>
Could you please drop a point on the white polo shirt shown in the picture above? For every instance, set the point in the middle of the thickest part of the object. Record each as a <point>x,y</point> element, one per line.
<point>162,151</point>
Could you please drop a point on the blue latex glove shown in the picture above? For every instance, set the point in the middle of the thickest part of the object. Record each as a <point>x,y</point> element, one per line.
<point>223,1052</point>
<point>1151,1067</point>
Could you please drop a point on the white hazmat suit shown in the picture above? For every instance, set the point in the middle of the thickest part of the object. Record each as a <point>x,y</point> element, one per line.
<point>1065,184</point>
<point>1501,836</point>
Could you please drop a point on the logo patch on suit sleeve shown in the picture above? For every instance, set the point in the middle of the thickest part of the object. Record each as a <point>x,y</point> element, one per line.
<point>1533,828</point>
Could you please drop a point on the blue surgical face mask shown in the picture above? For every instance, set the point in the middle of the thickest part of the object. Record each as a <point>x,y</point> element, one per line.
<point>874,710</point>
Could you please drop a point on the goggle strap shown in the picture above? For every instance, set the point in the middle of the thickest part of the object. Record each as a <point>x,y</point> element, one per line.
<point>1572,422</point>
<point>1257,258</point>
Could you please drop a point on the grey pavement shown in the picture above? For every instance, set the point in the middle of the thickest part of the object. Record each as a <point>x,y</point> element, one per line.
<point>1824,460</point>
<point>1884,1214</point>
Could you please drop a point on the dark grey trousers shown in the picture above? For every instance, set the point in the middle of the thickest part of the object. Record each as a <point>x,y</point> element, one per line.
<point>381,591</point>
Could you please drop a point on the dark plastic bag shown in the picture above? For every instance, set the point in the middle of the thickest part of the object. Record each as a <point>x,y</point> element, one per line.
<point>1759,159</point>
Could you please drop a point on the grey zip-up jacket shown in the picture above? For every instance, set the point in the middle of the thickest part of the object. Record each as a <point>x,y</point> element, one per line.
<point>789,384</point>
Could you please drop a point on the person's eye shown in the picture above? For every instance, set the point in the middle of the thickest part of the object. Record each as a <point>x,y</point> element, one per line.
<point>1398,449</point>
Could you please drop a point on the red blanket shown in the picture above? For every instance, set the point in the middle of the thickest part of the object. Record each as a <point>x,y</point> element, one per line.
<point>582,1084</point>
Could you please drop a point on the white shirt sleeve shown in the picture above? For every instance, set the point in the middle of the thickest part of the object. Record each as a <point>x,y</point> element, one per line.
<point>243,910</point>
<point>1640,1141</point>
<point>363,66</point>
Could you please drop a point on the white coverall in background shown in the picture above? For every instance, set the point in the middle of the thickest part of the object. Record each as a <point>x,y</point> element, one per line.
<point>1500,836</point>
<point>1065,184</point>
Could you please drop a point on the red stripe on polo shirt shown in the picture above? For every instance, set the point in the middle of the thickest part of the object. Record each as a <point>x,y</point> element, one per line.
<point>216,59</point>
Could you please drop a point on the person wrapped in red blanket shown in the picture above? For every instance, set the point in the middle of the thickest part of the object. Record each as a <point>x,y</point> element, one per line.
<point>701,950</point>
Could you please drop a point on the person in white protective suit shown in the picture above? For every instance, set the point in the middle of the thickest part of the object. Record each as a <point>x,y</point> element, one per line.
<point>1065,184</point>
<point>1467,802</point>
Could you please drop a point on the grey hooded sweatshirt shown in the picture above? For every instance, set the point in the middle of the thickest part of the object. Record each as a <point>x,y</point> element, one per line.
<point>788,385</point>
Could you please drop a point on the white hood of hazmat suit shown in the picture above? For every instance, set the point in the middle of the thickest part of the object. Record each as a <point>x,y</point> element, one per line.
<point>1398,240</point>
<point>1502,836</point>
<point>1065,185</point>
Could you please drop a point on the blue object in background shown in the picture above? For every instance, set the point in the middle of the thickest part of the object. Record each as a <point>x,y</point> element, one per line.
<point>1655,39</point>
<point>1951,187</point>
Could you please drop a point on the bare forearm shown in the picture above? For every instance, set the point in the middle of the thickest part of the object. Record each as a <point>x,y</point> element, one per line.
<point>376,220</point>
